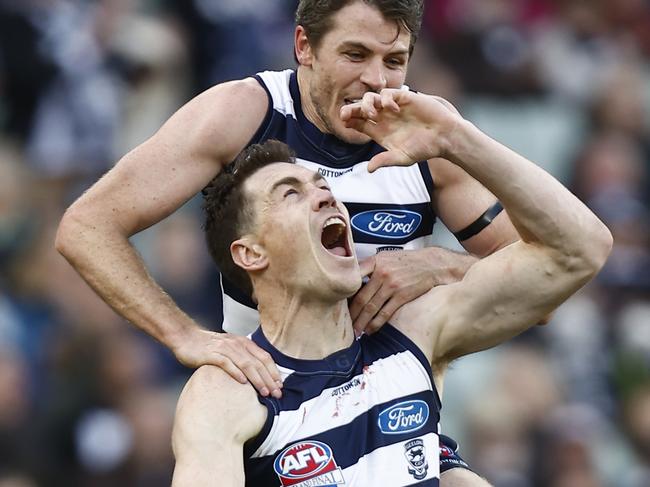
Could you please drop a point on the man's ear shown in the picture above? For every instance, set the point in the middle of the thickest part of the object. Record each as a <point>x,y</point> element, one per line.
<point>302,47</point>
<point>248,254</point>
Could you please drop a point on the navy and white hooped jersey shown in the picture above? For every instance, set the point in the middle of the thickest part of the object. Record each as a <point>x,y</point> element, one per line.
<point>389,209</point>
<point>365,415</point>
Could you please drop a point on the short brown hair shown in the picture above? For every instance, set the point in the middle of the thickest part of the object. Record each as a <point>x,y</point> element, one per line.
<point>316,16</point>
<point>228,212</point>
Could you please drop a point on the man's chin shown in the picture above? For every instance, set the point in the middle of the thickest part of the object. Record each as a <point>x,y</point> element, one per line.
<point>347,288</point>
<point>352,136</point>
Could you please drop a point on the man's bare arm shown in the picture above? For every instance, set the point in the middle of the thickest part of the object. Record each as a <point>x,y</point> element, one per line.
<point>563,243</point>
<point>460,200</point>
<point>563,246</point>
<point>147,185</point>
<point>398,277</point>
<point>465,204</point>
<point>214,418</point>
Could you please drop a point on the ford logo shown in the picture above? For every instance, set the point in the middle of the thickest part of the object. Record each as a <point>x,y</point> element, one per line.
<point>387,223</point>
<point>403,417</point>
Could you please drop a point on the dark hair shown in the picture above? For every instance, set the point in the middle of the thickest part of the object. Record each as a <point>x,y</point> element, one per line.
<point>228,212</point>
<point>316,16</point>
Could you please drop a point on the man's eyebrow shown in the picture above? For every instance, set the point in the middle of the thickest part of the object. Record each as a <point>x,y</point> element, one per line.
<point>289,180</point>
<point>363,47</point>
<point>318,177</point>
<point>354,45</point>
<point>294,181</point>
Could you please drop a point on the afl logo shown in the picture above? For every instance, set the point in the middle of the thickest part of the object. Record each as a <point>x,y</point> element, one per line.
<point>306,464</point>
<point>403,417</point>
<point>387,223</point>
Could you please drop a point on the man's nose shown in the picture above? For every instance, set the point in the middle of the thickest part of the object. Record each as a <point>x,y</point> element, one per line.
<point>374,75</point>
<point>323,199</point>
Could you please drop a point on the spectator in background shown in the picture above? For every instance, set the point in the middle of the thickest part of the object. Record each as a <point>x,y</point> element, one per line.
<point>147,50</point>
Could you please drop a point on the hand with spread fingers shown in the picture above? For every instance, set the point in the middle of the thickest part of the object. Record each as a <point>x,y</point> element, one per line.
<point>411,126</point>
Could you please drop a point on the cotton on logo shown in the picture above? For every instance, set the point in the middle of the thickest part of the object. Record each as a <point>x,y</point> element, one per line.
<point>307,464</point>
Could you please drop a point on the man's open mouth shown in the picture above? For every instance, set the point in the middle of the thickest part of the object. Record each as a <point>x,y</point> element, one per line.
<point>334,237</point>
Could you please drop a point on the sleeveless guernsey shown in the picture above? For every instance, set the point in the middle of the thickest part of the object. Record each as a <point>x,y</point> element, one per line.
<point>389,209</point>
<point>364,416</point>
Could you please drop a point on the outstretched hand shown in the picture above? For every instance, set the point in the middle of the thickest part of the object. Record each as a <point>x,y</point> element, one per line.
<point>237,355</point>
<point>411,126</point>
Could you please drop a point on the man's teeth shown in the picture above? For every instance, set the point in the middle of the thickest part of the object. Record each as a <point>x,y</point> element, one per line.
<point>334,220</point>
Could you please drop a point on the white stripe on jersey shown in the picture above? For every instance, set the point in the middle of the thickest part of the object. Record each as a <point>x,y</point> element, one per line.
<point>238,318</point>
<point>277,83</point>
<point>330,410</point>
<point>388,186</point>
<point>382,464</point>
<point>393,184</point>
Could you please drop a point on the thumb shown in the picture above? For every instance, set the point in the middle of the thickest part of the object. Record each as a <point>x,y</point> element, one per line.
<point>367,266</point>
<point>387,158</point>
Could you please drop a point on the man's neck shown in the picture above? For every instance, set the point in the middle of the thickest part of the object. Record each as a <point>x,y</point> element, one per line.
<point>303,329</point>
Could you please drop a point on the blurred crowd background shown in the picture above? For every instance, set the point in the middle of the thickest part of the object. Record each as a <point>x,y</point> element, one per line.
<point>87,400</point>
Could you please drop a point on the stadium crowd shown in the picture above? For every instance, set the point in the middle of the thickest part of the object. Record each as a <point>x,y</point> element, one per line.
<point>86,400</point>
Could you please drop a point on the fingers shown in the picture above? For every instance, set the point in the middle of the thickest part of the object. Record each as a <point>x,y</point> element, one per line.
<point>227,365</point>
<point>373,308</point>
<point>384,314</point>
<point>245,362</point>
<point>352,112</point>
<point>367,265</point>
<point>267,362</point>
<point>363,297</point>
<point>388,100</point>
<point>388,158</point>
<point>360,125</point>
<point>372,103</point>
<point>376,315</point>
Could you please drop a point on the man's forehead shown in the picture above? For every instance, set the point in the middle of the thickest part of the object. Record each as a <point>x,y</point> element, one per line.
<point>272,175</point>
<point>374,27</point>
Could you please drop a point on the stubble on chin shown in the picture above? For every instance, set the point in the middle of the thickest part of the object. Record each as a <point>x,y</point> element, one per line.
<point>321,99</point>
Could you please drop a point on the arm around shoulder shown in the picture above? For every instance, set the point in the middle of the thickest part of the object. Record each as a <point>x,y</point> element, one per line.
<point>215,416</point>
<point>145,186</point>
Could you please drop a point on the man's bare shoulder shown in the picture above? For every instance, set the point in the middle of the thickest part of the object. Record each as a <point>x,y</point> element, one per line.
<point>237,91</point>
<point>216,124</point>
<point>214,400</point>
<point>209,383</point>
<point>421,318</point>
<point>229,103</point>
<point>215,417</point>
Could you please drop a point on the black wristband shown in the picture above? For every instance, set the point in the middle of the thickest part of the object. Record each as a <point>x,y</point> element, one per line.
<point>480,223</point>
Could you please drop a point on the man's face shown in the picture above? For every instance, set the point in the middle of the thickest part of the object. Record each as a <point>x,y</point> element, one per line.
<point>304,231</point>
<point>362,52</point>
